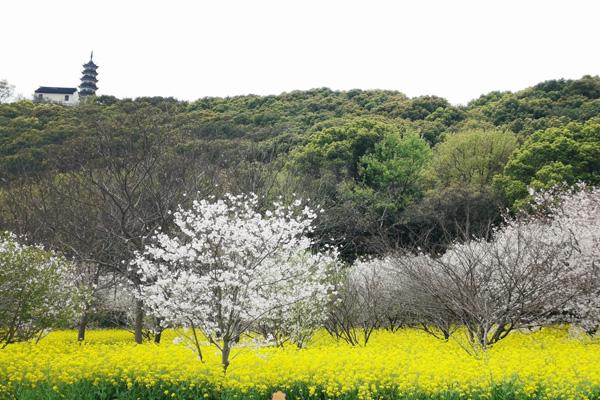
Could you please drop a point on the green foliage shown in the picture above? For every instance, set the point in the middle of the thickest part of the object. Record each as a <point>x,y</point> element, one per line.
<point>552,157</point>
<point>35,293</point>
<point>346,150</point>
<point>339,149</point>
<point>29,132</point>
<point>460,199</point>
<point>86,389</point>
<point>541,106</point>
<point>424,106</point>
<point>470,159</point>
<point>364,172</point>
<point>393,173</point>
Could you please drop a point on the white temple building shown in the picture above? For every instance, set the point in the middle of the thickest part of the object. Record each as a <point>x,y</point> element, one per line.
<point>62,95</point>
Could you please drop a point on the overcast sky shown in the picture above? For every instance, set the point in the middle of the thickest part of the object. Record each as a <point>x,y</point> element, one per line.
<point>192,49</point>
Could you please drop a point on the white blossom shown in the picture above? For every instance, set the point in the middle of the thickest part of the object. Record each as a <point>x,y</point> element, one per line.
<point>229,266</point>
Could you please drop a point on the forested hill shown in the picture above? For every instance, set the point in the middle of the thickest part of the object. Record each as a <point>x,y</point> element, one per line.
<point>384,166</point>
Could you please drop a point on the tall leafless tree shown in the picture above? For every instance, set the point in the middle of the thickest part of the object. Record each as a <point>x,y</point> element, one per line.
<point>118,184</point>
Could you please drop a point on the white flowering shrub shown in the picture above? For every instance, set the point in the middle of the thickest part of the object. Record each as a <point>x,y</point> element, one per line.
<point>578,212</point>
<point>296,322</point>
<point>403,298</point>
<point>227,267</point>
<point>518,278</point>
<point>293,323</point>
<point>367,299</point>
<point>534,270</point>
<point>37,291</point>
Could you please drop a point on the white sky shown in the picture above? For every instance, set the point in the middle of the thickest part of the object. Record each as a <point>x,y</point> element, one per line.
<point>191,49</point>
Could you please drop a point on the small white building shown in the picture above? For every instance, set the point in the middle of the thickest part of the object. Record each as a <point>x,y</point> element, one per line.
<point>61,95</point>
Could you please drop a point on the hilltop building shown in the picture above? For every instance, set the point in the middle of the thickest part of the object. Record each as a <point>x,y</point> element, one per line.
<point>70,95</point>
<point>89,78</point>
<point>63,95</point>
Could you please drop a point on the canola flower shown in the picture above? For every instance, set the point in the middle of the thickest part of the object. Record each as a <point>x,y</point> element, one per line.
<point>548,364</point>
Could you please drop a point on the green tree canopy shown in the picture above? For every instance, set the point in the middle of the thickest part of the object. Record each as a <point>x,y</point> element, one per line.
<point>393,173</point>
<point>551,157</point>
<point>470,159</point>
<point>461,200</point>
<point>365,172</point>
<point>339,149</point>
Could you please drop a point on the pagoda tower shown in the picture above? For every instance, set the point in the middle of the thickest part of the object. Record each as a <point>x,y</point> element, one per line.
<point>88,79</point>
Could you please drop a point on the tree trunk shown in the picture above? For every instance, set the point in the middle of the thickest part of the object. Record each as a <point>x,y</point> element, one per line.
<point>158,330</point>
<point>87,307</point>
<point>82,326</point>
<point>225,354</point>
<point>446,334</point>
<point>139,322</point>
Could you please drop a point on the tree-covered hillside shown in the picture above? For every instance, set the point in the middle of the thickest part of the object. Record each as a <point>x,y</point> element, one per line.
<point>387,169</point>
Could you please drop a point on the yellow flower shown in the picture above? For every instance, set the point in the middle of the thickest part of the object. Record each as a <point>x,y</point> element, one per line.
<point>408,362</point>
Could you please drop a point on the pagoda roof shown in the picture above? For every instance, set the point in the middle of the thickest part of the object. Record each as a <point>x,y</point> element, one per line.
<point>88,85</point>
<point>55,90</point>
<point>90,64</point>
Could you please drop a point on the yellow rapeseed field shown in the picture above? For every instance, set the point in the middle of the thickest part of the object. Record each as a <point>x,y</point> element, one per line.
<point>548,364</point>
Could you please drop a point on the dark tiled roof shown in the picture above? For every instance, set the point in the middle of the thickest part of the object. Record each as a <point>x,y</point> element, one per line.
<point>56,90</point>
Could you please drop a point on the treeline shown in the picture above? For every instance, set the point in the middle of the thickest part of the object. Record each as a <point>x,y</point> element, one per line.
<point>385,167</point>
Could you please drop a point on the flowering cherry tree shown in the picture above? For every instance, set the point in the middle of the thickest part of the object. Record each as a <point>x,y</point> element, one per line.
<point>229,266</point>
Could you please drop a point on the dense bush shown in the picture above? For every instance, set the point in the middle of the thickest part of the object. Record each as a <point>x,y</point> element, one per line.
<point>37,291</point>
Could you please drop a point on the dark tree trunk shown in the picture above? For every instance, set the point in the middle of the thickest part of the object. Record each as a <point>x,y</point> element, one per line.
<point>225,354</point>
<point>446,334</point>
<point>139,322</point>
<point>157,336</point>
<point>158,329</point>
<point>82,326</point>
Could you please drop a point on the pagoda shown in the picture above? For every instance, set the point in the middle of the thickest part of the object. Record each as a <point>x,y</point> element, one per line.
<point>88,79</point>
